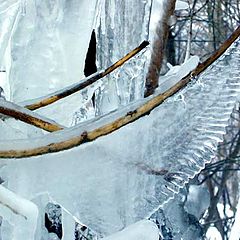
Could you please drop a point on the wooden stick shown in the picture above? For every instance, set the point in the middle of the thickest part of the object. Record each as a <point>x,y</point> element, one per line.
<point>44,101</point>
<point>24,115</point>
<point>124,120</point>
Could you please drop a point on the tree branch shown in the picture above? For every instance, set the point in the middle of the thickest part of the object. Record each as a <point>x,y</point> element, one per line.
<point>25,115</point>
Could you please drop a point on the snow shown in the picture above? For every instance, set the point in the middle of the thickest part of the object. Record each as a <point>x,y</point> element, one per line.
<point>9,105</point>
<point>142,230</point>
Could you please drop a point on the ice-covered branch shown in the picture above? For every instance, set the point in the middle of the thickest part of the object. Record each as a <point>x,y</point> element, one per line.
<point>12,110</point>
<point>16,210</point>
<point>127,117</point>
<point>49,99</point>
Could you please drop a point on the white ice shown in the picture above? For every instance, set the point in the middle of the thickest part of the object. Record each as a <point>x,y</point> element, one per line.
<point>180,5</point>
<point>116,180</point>
<point>142,230</point>
<point>18,212</point>
<point>176,73</point>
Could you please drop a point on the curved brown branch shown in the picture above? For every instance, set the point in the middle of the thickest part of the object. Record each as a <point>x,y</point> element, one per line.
<point>159,44</point>
<point>124,120</point>
<point>24,115</point>
<point>44,101</point>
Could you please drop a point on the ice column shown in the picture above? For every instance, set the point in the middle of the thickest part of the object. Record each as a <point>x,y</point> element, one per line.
<point>122,26</point>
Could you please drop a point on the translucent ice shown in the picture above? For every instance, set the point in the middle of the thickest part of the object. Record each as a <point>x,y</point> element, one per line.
<point>21,213</point>
<point>122,26</point>
<point>125,176</point>
<point>143,230</point>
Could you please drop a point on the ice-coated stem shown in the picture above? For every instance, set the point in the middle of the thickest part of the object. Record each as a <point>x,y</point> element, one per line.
<point>12,110</point>
<point>46,100</point>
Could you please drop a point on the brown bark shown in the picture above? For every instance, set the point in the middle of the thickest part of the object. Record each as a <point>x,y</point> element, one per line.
<point>159,45</point>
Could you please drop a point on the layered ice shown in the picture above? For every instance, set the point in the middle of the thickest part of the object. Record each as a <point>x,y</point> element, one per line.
<point>142,230</point>
<point>125,176</point>
<point>122,26</point>
<point>47,51</point>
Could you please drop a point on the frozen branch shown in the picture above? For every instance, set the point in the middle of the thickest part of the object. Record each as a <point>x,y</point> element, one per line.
<point>49,99</point>
<point>27,116</point>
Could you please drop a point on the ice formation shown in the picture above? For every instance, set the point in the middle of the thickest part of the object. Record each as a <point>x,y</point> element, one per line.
<point>127,175</point>
<point>48,47</point>
<point>20,212</point>
<point>122,26</point>
<point>136,181</point>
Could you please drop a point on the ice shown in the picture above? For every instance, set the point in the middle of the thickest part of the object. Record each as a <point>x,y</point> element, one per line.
<point>180,5</point>
<point>127,175</point>
<point>193,205</point>
<point>18,212</point>
<point>235,231</point>
<point>176,73</point>
<point>175,223</point>
<point>48,50</point>
<point>8,16</point>
<point>142,230</point>
<point>122,26</point>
